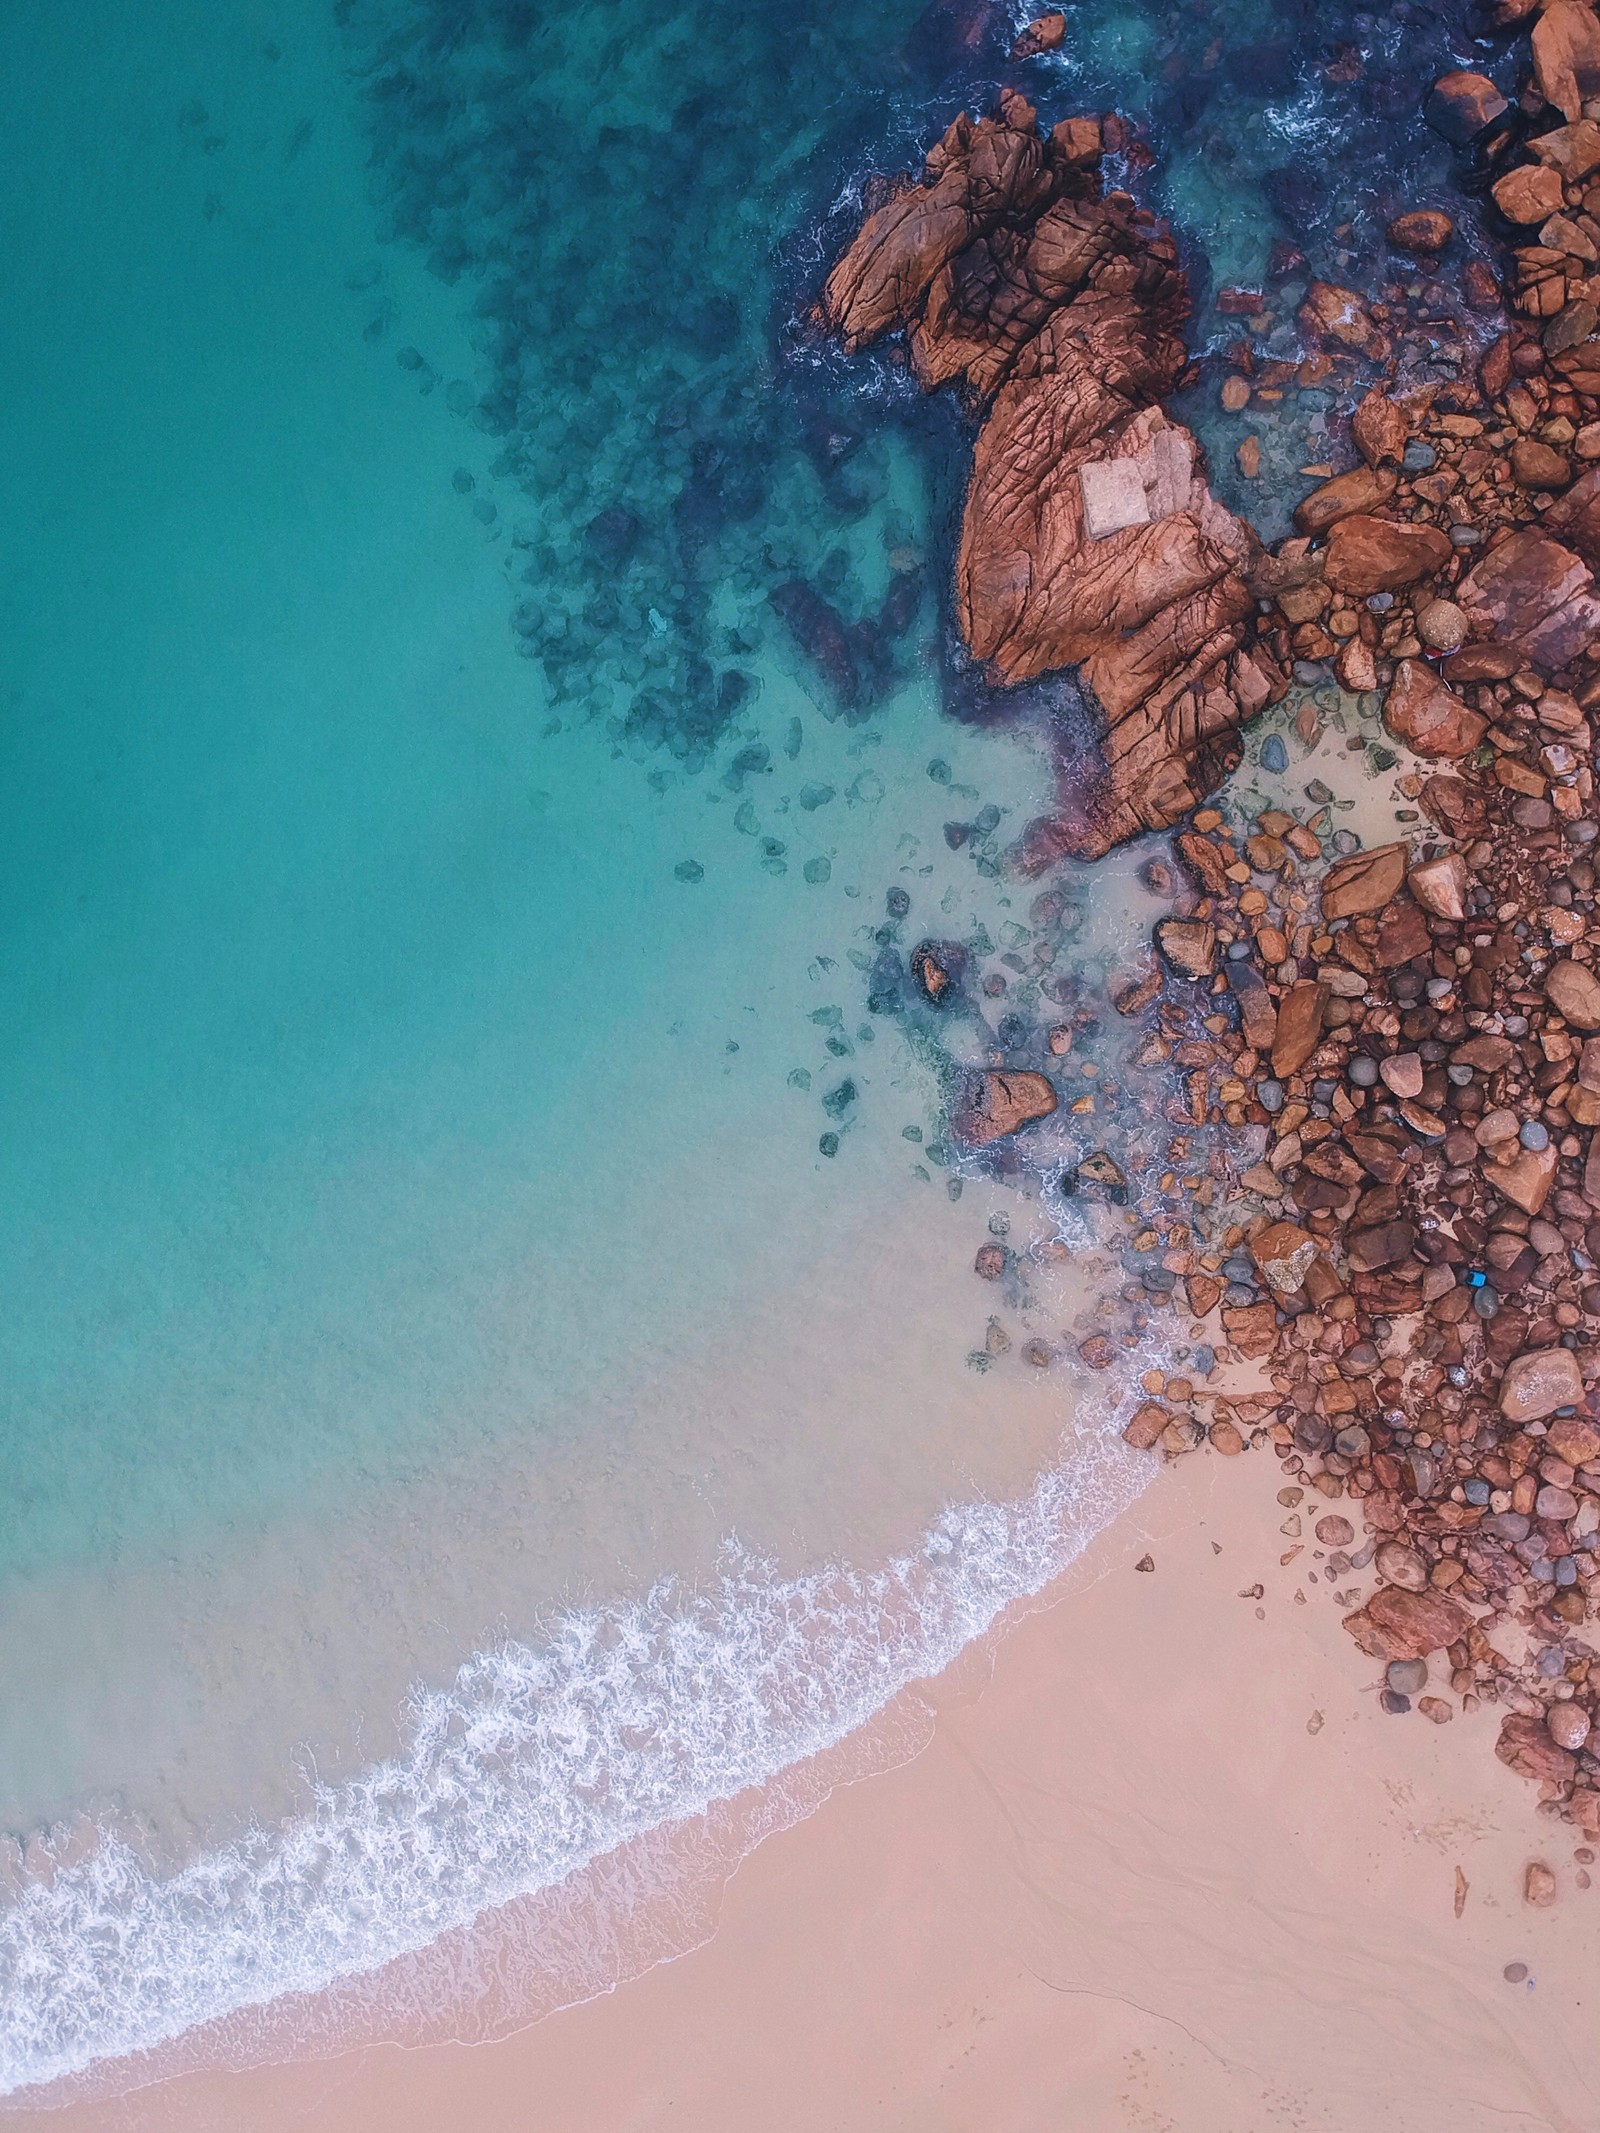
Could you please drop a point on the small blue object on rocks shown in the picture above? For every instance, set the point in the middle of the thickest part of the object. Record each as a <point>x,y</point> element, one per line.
<point>1269,1094</point>
<point>1345,842</point>
<point>1419,458</point>
<point>1380,603</point>
<point>1203,1362</point>
<point>1274,755</point>
<point>1533,1135</point>
<point>1363,1070</point>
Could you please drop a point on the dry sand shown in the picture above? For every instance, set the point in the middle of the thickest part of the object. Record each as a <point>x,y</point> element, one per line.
<point>1124,1886</point>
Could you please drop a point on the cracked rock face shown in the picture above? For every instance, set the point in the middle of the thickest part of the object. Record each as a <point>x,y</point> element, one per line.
<point>1090,538</point>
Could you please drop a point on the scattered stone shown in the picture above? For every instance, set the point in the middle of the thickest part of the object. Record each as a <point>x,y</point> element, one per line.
<point>1539,1382</point>
<point>1574,992</point>
<point>1145,1562</point>
<point>1399,1565</point>
<point>1334,1531</point>
<point>1001,1104</point>
<point>1380,429</point>
<point>1188,946</point>
<point>1045,34</point>
<point>1568,1725</point>
<point>1422,230</point>
<point>1538,1884</point>
<point>1364,882</point>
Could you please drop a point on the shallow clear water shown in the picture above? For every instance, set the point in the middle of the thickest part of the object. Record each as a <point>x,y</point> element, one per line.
<point>436,897</point>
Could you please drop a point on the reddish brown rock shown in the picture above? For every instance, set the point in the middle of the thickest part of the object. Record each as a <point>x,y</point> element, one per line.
<point>1526,1179</point>
<point>1573,150</point>
<point>1045,34</point>
<point>1389,1244</point>
<point>1573,991</point>
<point>1440,885</point>
<point>1482,662</point>
<point>1346,494</point>
<point>1330,313</point>
<point>1537,1383</point>
<point>1283,1251</point>
<point>1188,946</point>
<point>1090,538</point>
<point>1372,555</point>
<point>1529,193</point>
<point>1396,1624</point>
<point>1575,517</point>
<point>1334,1531</point>
<point>1300,1013</point>
<point>1423,229</point>
<point>1538,466</point>
<point>1568,1725</point>
<point>1003,1103</point>
<point>1535,596</point>
<point>1525,1745</point>
<point>1427,716</point>
<point>1461,104</point>
<point>1571,1438</point>
<point>1251,1328</point>
<point>1144,1430</point>
<point>1566,55</point>
<point>1380,429</point>
<point>1366,881</point>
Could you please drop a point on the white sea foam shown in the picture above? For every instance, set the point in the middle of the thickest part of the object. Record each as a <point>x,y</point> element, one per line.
<point>535,1762</point>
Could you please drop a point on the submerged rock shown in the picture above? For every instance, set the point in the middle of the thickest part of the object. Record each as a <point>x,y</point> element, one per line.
<point>999,1104</point>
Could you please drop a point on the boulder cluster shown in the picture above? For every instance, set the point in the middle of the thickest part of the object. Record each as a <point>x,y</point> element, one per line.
<point>1090,537</point>
<point>1400,1279</point>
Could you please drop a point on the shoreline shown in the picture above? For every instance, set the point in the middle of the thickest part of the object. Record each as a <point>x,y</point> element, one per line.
<point>1123,1877</point>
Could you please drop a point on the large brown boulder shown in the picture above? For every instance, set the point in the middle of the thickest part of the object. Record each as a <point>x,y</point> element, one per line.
<point>1366,881</point>
<point>1566,55</point>
<point>1396,1624</point>
<point>1427,716</point>
<point>1373,555</point>
<point>1461,104</point>
<point>1090,539</point>
<point>1360,490</point>
<point>1535,596</point>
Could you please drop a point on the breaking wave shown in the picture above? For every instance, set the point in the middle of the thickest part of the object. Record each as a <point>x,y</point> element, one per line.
<point>536,1762</point>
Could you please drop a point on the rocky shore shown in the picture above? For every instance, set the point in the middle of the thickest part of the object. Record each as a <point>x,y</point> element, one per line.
<point>1379,1066</point>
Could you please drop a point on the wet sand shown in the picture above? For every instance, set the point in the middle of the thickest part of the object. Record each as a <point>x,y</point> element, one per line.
<point>1125,1885</point>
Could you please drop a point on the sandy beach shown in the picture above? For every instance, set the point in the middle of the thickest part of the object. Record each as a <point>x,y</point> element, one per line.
<point>1164,1863</point>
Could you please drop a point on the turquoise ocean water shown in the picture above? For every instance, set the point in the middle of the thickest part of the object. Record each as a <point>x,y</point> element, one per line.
<point>452,1178</point>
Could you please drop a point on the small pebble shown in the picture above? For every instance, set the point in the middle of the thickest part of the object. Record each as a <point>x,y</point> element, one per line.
<point>1407,1676</point>
<point>1515,1973</point>
<point>1363,1070</point>
<point>1274,754</point>
<point>1533,1135</point>
<point>1270,1095</point>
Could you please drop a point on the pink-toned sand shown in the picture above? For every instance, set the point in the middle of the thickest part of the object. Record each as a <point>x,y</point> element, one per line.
<point>1125,1886</point>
